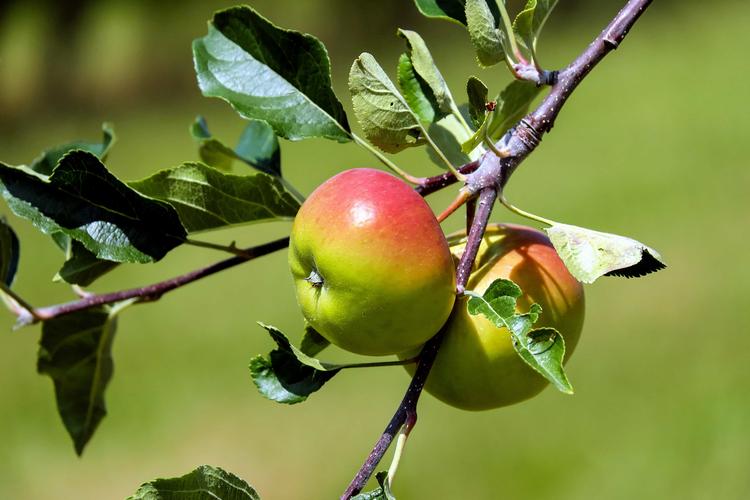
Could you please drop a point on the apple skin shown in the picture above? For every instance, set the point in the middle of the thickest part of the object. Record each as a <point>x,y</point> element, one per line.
<point>477,367</point>
<point>388,277</point>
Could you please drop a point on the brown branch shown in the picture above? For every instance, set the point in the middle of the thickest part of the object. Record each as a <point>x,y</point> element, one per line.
<point>154,291</point>
<point>492,174</point>
<point>408,407</point>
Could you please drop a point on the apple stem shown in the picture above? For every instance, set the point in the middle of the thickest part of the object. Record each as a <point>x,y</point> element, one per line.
<point>488,177</point>
<point>463,197</point>
<point>154,291</point>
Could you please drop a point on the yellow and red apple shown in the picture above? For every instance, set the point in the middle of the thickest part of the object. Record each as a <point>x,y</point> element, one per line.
<point>373,271</point>
<point>477,367</point>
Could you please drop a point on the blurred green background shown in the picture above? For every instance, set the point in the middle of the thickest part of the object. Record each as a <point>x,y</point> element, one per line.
<point>653,145</point>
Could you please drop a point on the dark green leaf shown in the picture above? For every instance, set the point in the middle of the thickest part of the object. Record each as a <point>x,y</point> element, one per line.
<point>425,68</point>
<point>206,198</point>
<point>530,21</point>
<point>542,349</point>
<point>313,342</point>
<point>204,483</point>
<point>75,350</point>
<point>590,254</point>
<point>268,73</point>
<point>9,253</point>
<point>487,39</point>
<point>82,267</point>
<point>450,10</point>
<point>477,92</point>
<point>386,119</point>
<point>258,147</point>
<point>512,104</point>
<point>89,204</point>
<point>289,375</point>
<point>46,162</point>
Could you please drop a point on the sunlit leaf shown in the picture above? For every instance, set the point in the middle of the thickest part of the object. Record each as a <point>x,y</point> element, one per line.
<point>75,350</point>
<point>590,254</point>
<point>272,74</point>
<point>288,375</point>
<point>415,91</point>
<point>87,203</point>
<point>386,119</point>
<point>206,198</point>
<point>425,67</point>
<point>530,21</point>
<point>487,39</point>
<point>46,162</point>
<point>542,349</point>
<point>204,483</point>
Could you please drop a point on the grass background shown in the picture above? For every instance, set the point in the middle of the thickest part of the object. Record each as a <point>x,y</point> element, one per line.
<point>653,145</point>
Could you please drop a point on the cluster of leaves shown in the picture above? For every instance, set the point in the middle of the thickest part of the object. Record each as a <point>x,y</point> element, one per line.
<point>279,81</point>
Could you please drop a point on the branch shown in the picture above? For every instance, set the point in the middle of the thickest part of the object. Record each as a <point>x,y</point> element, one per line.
<point>490,174</point>
<point>408,407</point>
<point>522,139</point>
<point>151,292</point>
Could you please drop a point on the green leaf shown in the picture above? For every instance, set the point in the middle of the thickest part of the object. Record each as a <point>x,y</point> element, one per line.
<point>450,10</point>
<point>512,105</point>
<point>207,199</point>
<point>312,342</point>
<point>258,147</point>
<point>9,253</point>
<point>415,92</point>
<point>204,483</point>
<point>425,67</point>
<point>477,92</point>
<point>542,349</point>
<point>268,73</point>
<point>82,267</point>
<point>289,375</point>
<point>86,202</point>
<point>386,119</point>
<point>530,21</point>
<point>75,350</point>
<point>590,254</point>
<point>487,39</point>
<point>46,162</point>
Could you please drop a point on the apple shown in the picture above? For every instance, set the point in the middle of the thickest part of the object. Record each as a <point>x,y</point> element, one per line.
<point>477,367</point>
<point>372,268</point>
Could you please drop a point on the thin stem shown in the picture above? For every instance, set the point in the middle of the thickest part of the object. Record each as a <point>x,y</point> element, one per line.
<point>457,113</point>
<point>28,308</point>
<point>441,155</point>
<point>463,197</point>
<point>509,30</point>
<point>376,364</point>
<point>526,214</point>
<point>217,246</point>
<point>154,291</point>
<point>388,163</point>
